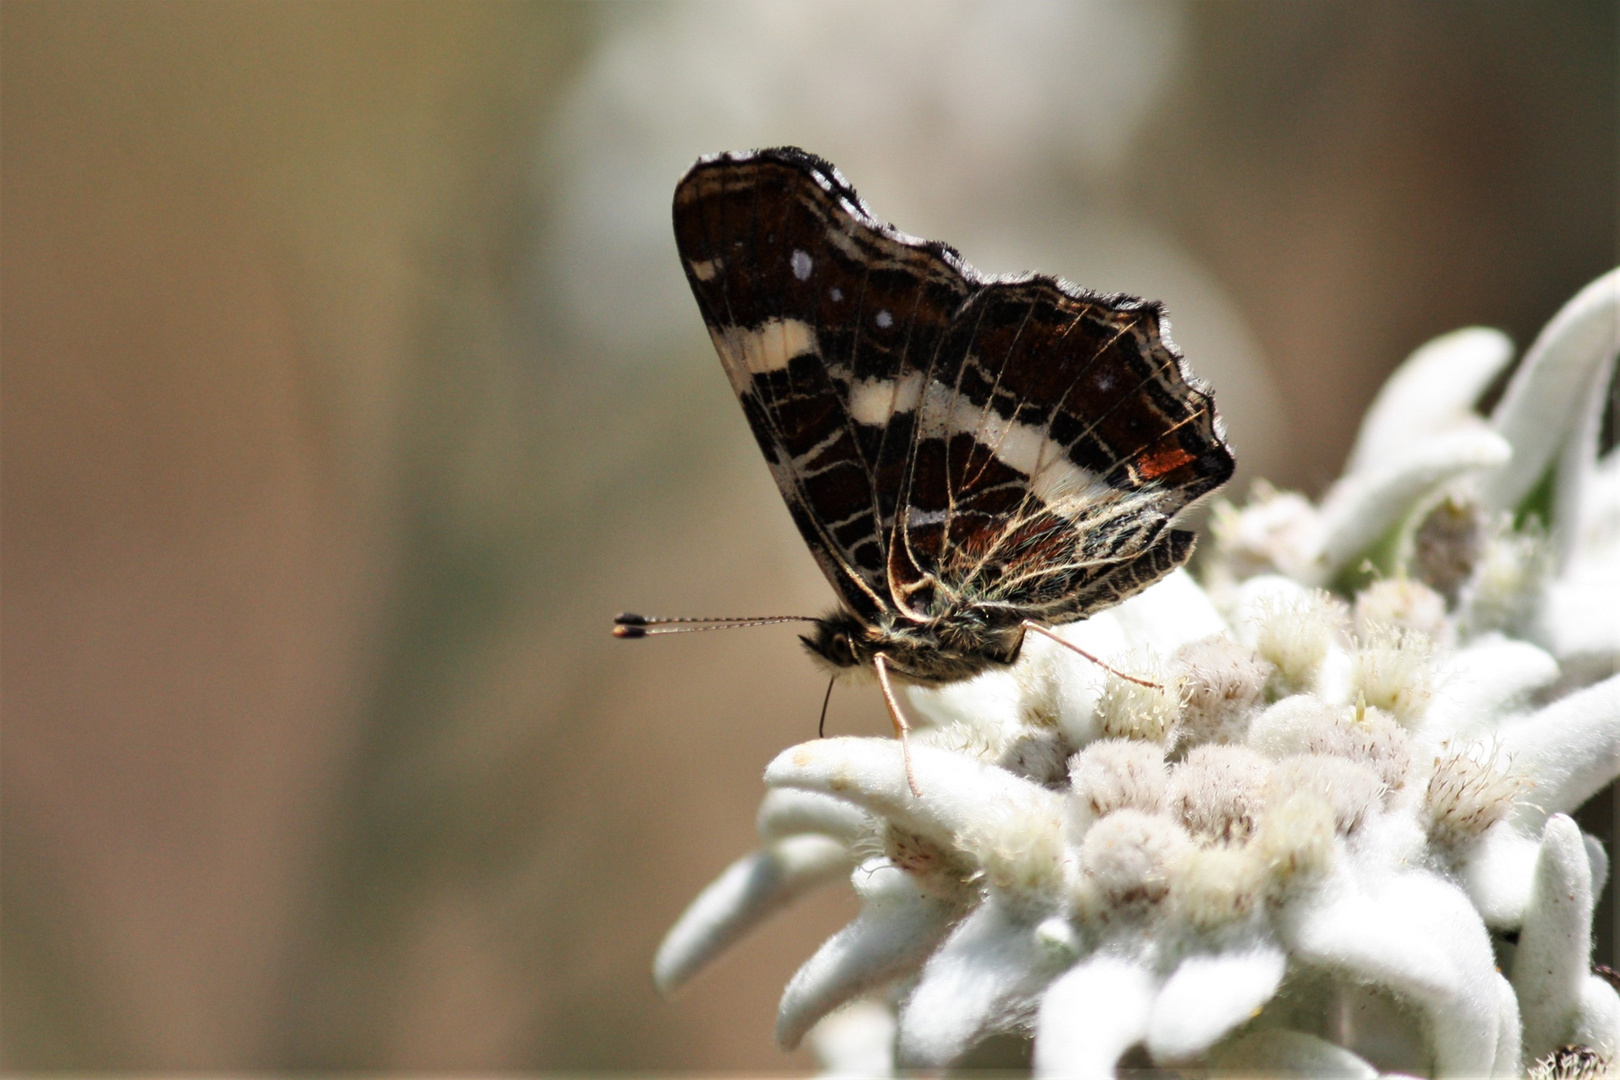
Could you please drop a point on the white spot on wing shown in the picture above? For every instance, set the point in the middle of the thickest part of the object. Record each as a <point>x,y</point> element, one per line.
<point>767,348</point>
<point>800,262</point>
<point>836,293</point>
<point>705,269</point>
<point>885,320</point>
<point>873,401</point>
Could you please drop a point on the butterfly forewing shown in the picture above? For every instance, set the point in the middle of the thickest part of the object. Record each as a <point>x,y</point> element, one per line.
<point>947,443</point>
<point>823,321</point>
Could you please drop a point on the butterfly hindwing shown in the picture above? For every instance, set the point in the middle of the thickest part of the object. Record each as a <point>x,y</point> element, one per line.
<point>1059,436</point>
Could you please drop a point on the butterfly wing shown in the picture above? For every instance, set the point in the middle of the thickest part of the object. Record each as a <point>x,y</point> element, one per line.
<point>825,320</point>
<point>1059,434</point>
<point>943,441</point>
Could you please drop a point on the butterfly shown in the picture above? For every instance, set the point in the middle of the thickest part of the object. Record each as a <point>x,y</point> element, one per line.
<point>969,458</point>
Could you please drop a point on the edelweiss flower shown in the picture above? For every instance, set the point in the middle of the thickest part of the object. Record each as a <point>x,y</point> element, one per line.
<point>1308,848</point>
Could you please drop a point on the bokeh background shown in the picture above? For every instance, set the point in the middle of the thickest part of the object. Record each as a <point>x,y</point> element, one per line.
<point>350,384</point>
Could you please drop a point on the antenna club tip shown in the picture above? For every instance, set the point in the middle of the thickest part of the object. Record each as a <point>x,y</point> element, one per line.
<point>629,618</point>
<point>629,632</point>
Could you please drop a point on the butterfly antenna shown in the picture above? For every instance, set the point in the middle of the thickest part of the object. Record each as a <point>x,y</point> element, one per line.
<point>629,625</point>
<point>1046,632</point>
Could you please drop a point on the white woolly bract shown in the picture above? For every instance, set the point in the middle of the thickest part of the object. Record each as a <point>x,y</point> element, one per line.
<point>1551,968</point>
<point>1208,996</point>
<point>986,976</point>
<point>753,888</point>
<point>1090,1016</point>
<point>899,925</point>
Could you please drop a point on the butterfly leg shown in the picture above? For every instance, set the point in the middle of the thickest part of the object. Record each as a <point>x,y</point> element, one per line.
<point>901,728</point>
<point>1045,631</point>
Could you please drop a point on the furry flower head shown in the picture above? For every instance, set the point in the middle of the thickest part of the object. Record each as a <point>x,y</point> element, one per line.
<point>1311,844</point>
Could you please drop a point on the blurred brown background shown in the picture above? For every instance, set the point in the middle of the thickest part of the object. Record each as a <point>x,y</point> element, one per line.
<point>349,387</point>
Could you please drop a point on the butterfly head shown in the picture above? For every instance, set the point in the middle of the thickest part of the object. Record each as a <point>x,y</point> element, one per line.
<point>841,641</point>
<point>956,646</point>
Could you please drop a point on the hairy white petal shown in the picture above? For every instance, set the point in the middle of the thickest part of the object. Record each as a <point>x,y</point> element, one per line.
<point>1371,1021</point>
<point>1497,871</point>
<point>984,978</point>
<point>1599,858</point>
<point>1280,1052</point>
<point>1543,400</point>
<point>1432,391</point>
<point>1343,929</point>
<point>751,889</point>
<point>1597,1021</point>
<point>1568,751</point>
<point>1577,616</point>
<point>1090,1016</point>
<point>1418,935</point>
<point>856,1042</point>
<point>1550,966</point>
<point>992,699</point>
<point>1170,614</point>
<point>1581,506</point>
<point>785,812</point>
<point>1207,996</point>
<point>899,925</point>
<point>1476,685</point>
<point>1001,818</point>
<point>1509,1031</point>
<point>1361,507</point>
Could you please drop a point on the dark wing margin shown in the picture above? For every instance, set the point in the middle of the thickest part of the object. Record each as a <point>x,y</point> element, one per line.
<point>825,320</point>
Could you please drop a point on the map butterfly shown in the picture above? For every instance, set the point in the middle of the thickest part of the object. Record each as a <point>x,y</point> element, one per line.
<point>969,458</point>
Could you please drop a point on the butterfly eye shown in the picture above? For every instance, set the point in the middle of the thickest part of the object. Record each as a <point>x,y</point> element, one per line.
<point>843,654</point>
